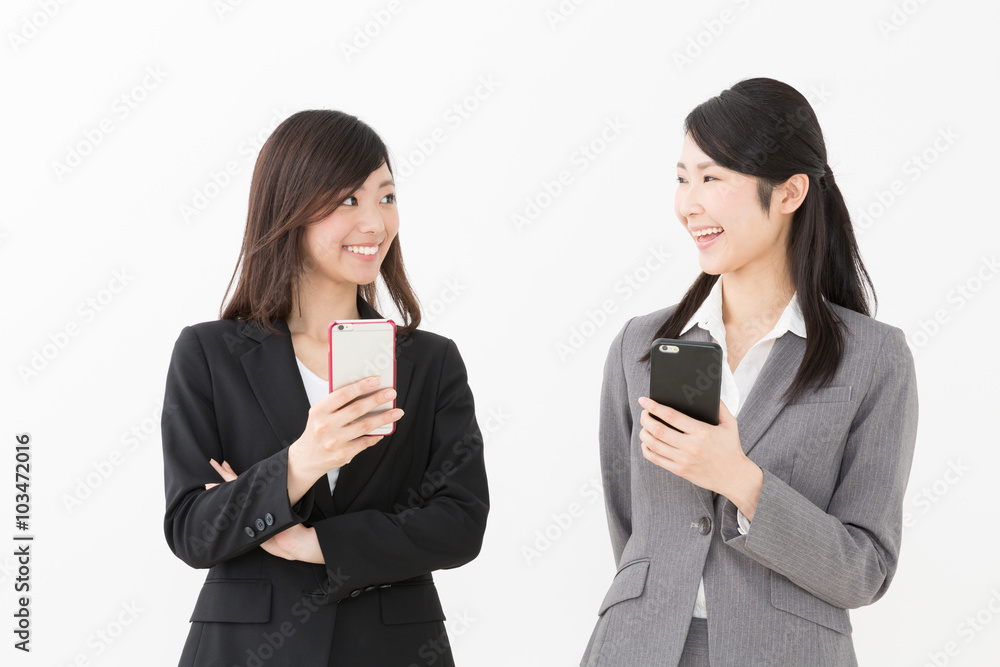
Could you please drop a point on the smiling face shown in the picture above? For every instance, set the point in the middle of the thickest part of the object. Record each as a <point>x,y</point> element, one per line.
<point>721,211</point>
<point>348,246</point>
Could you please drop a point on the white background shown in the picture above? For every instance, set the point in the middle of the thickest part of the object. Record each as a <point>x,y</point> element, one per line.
<point>884,94</point>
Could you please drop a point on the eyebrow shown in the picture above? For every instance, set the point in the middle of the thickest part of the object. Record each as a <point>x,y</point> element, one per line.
<point>700,165</point>
<point>380,185</point>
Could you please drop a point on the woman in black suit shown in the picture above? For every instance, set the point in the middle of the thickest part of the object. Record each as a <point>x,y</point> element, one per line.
<point>299,575</point>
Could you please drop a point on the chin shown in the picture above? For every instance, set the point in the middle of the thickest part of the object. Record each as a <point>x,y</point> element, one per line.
<point>711,267</point>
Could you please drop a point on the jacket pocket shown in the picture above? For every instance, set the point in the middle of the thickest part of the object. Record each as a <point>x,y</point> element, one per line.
<point>786,596</point>
<point>825,395</point>
<point>410,603</point>
<point>629,583</point>
<point>234,601</point>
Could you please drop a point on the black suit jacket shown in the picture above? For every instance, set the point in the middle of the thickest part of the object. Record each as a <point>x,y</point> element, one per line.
<point>415,502</point>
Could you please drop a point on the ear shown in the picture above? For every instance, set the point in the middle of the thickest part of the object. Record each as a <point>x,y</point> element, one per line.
<point>791,193</point>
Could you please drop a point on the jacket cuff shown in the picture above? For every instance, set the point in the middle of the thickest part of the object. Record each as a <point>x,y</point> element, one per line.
<point>767,521</point>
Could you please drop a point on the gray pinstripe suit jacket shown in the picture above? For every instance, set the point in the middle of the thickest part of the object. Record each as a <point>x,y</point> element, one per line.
<point>826,533</point>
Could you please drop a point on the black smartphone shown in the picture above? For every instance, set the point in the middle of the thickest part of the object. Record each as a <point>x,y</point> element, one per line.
<point>686,376</point>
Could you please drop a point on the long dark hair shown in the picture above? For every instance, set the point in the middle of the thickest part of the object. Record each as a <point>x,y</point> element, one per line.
<point>311,161</point>
<point>767,129</point>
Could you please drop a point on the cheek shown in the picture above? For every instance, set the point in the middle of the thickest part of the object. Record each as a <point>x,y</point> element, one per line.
<point>391,223</point>
<point>728,202</point>
<point>322,241</point>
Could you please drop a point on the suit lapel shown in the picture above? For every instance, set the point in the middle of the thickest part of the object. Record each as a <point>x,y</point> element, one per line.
<point>276,382</point>
<point>766,397</point>
<point>274,377</point>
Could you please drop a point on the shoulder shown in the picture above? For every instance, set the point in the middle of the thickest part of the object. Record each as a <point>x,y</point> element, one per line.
<point>875,354</point>
<point>636,334</point>
<point>868,337</point>
<point>429,351</point>
<point>419,343</point>
<point>220,336</point>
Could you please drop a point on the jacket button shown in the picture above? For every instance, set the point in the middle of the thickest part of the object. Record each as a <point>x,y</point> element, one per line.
<point>369,589</point>
<point>705,525</point>
<point>249,531</point>
<point>355,593</point>
<point>260,524</point>
<point>269,519</point>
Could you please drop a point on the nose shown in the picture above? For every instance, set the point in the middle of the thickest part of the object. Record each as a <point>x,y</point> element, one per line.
<point>687,201</point>
<point>371,219</point>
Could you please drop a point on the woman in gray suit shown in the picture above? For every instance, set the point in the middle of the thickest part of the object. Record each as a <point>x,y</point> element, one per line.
<point>746,543</point>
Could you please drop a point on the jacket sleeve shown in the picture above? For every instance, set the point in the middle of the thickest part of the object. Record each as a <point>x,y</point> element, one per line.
<point>846,555</point>
<point>615,434</point>
<point>205,527</point>
<point>442,522</point>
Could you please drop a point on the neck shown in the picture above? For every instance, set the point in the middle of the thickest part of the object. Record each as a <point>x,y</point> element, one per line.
<point>315,306</point>
<point>755,299</point>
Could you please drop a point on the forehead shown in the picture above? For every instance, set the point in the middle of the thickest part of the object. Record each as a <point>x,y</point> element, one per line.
<point>378,178</point>
<point>691,153</point>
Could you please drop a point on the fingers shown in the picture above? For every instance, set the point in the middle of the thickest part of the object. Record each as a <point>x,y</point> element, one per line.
<point>225,470</point>
<point>368,424</point>
<point>363,406</point>
<point>340,397</point>
<point>663,432</point>
<point>675,418</point>
<point>650,453</point>
<point>355,400</point>
<point>210,485</point>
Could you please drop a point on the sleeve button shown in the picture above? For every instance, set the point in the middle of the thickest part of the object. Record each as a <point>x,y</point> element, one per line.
<point>249,531</point>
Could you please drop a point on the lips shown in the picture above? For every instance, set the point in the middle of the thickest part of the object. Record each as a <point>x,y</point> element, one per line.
<point>705,236</point>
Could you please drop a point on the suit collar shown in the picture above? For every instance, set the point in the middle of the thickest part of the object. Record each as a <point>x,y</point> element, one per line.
<point>274,377</point>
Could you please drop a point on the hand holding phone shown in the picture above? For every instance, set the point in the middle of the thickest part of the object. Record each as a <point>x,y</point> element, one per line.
<point>336,432</point>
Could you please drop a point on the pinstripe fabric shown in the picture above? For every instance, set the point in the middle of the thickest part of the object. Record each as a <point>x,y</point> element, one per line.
<point>695,653</point>
<point>826,533</point>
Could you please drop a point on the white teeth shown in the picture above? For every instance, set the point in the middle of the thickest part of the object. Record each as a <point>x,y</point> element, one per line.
<point>363,250</point>
<point>707,230</point>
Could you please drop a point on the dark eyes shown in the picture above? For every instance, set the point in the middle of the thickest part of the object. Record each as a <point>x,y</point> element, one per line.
<point>682,180</point>
<point>353,201</point>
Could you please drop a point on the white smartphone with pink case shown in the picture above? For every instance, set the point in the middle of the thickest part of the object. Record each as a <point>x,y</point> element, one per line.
<point>360,349</point>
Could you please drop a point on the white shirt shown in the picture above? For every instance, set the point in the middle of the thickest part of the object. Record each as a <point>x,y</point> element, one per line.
<point>736,386</point>
<point>317,388</point>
